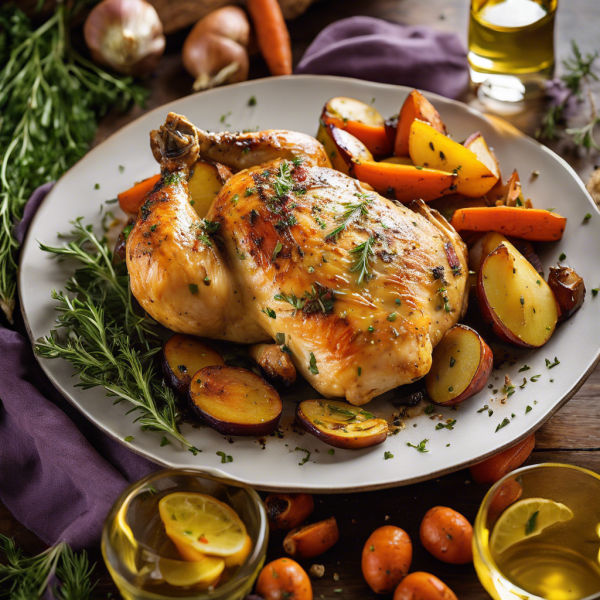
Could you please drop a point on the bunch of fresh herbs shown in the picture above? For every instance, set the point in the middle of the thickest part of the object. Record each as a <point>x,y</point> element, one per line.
<point>50,101</point>
<point>109,341</point>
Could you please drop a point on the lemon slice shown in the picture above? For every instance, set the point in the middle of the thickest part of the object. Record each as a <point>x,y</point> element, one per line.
<point>204,572</point>
<point>202,523</point>
<point>239,558</point>
<point>525,519</point>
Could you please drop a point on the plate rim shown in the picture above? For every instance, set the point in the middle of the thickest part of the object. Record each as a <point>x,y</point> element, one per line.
<point>300,488</point>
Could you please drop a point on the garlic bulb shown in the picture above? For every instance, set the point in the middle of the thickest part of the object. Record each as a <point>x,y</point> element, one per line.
<point>126,35</point>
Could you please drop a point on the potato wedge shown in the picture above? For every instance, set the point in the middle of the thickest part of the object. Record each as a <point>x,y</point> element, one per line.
<point>476,144</point>
<point>342,148</point>
<point>416,106</point>
<point>276,364</point>
<point>184,355</point>
<point>460,368</point>
<point>406,182</point>
<point>569,289</point>
<point>235,401</point>
<point>205,182</point>
<point>515,300</point>
<point>340,424</point>
<point>360,120</point>
<point>430,148</point>
<point>482,248</point>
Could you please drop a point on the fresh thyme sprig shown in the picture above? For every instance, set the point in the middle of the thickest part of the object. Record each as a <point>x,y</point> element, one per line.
<point>349,215</point>
<point>364,253</point>
<point>50,101</point>
<point>108,342</point>
<point>578,73</point>
<point>57,572</point>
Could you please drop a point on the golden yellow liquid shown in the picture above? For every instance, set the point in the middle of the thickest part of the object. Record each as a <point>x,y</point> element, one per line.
<point>512,37</point>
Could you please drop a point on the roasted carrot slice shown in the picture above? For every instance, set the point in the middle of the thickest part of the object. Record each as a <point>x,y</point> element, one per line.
<point>131,200</point>
<point>407,181</point>
<point>311,540</point>
<point>416,106</point>
<point>532,224</point>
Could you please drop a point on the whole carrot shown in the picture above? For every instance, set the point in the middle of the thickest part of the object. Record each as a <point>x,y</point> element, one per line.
<point>272,35</point>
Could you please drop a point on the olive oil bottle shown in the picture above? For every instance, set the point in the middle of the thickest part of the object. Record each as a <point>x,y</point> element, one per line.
<point>511,46</point>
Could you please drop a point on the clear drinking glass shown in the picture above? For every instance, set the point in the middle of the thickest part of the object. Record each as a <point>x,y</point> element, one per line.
<point>511,47</point>
<point>558,562</point>
<point>135,545</point>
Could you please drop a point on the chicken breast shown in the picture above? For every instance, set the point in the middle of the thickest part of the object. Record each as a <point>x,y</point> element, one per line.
<point>360,287</point>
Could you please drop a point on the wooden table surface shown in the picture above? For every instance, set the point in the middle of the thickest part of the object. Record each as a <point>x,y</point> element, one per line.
<point>571,436</point>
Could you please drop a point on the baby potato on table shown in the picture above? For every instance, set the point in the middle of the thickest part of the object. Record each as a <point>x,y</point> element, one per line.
<point>386,558</point>
<point>284,578</point>
<point>423,586</point>
<point>447,535</point>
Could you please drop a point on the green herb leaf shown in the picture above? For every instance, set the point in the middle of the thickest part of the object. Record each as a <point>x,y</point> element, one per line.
<point>364,254</point>
<point>312,367</point>
<point>225,458</point>
<point>504,423</point>
<point>305,459</point>
<point>269,312</point>
<point>387,455</point>
<point>420,446</point>
<point>531,522</point>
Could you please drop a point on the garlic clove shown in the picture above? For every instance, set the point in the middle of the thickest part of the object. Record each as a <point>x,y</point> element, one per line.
<point>126,35</point>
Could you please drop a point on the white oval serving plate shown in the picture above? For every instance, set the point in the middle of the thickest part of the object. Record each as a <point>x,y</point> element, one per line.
<point>296,103</point>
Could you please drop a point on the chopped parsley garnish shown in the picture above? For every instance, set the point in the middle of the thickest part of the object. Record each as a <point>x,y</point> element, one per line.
<point>225,458</point>
<point>528,409</point>
<point>305,459</point>
<point>420,446</point>
<point>249,191</point>
<point>270,312</point>
<point>278,248</point>
<point>252,101</point>
<point>129,438</point>
<point>504,423</point>
<point>331,451</point>
<point>387,455</point>
<point>364,253</point>
<point>524,368</point>
<point>595,292</point>
<point>320,298</point>
<point>452,361</point>
<point>448,425</point>
<point>280,338</point>
<point>235,199</point>
<point>312,365</point>
<point>193,288</point>
<point>359,371</point>
<point>587,217</point>
<point>534,378</point>
<point>447,306</point>
<point>524,383</point>
<point>562,256</point>
<point>429,409</point>
<point>164,441</point>
<point>552,365</point>
<point>392,316</point>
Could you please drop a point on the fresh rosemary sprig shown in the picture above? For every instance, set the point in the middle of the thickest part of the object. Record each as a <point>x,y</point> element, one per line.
<point>108,342</point>
<point>364,253</point>
<point>57,572</point>
<point>352,211</point>
<point>578,73</point>
<point>50,101</point>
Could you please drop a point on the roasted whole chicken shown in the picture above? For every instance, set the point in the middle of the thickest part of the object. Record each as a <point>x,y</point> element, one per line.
<point>358,288</point>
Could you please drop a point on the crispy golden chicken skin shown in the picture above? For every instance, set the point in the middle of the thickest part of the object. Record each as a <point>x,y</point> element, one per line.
<point>361,288</point>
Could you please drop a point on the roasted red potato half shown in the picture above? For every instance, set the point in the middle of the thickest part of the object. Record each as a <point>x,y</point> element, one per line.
<point>460,368</point>
<point>184,355</point>
<point>340,424</point>
<point>569,289</point>
<point>515,300</point>
<point>276,364</point>
<point>235,401</point>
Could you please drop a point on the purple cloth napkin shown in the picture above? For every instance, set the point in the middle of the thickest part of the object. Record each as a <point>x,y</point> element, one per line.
<point>372,49</point>
<point>59,474</point>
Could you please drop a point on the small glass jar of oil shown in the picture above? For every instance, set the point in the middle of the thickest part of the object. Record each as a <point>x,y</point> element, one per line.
<point>511,47</point>
<point>537,535</point>
<point>146,533</point>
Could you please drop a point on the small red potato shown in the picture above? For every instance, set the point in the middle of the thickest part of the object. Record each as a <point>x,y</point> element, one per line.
<point>460,368</point>
<point>287,511</point>
<point>515,300</point>
<point>569,289</point>
<point>340,424</point>
<point>496,467</point>
<point>276,364</point>
<point>386,558</point>
<point>416,106</point>
<point>235,401</point>
<point>184,355</point>
<point>284,578</point>
<point>447,535</point>
<point>311,540</point>
<point>423,586</point>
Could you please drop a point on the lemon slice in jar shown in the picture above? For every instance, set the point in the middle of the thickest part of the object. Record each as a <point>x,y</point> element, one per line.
<point>199,525</point>
<point>202,573</point>
<point>525,519</point>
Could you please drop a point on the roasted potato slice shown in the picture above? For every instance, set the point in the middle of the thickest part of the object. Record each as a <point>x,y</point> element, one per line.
<point>342,148</point>
<point>205,181</point>
<point>340,424</point>
<point>515,299</point>
<point>235,401</point>
<point>276,364</point>
<point>430,148</point>
<point>184,355</point>
<point>482,248</point>
<point>476,144</point>
<point>460,368</point>
<point>416,106</point>
<point>569,289</point>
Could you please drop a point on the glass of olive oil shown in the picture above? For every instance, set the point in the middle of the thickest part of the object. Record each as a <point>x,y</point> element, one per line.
<point>511,47</point>
<point>537,535</point>
<point>144,562</point>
